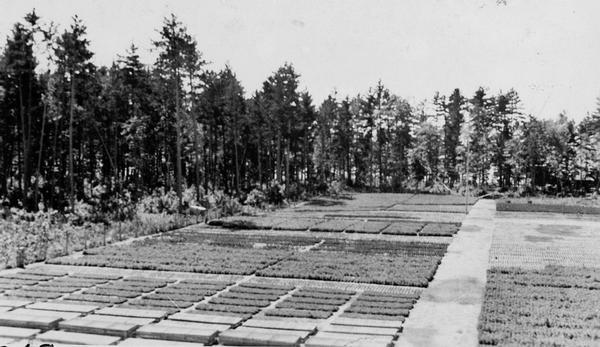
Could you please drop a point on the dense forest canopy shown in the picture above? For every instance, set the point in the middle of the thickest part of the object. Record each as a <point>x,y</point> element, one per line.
<point>68,127</point>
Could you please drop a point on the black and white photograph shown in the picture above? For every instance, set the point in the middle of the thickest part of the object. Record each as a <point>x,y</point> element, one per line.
<point>299,173</point>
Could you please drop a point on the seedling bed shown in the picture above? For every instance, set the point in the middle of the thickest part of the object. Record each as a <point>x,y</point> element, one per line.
<point>228,308</point>
<point>286,312</point>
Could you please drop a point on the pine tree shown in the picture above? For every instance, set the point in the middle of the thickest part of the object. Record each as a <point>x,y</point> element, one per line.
<point>481,125</point>
<point>324,122</point>
<point>22,94</point>
<point>452,125</point>
<point>175,46</point>
<point>506,117</point>
<point>73,60</point>
<point>342,140</point>
<point>281,105</point>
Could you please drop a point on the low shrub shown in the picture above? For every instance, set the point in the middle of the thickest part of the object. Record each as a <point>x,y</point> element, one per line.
<point>276,193</point>
<point>256,198</point>
<point>335,188</point>
<point>42,235</point>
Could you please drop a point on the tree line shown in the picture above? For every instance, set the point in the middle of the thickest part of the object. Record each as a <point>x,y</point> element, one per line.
<point>68,126</point>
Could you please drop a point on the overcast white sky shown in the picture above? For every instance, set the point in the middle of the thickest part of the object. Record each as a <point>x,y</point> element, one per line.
<point>548,50</point>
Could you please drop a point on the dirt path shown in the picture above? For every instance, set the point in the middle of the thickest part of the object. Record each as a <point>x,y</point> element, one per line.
<point>448,311</point>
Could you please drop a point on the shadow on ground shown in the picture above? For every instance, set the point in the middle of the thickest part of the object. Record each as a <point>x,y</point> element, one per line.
<point>325,202</point>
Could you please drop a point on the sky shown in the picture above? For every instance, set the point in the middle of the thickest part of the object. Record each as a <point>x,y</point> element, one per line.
<point>547,50</point>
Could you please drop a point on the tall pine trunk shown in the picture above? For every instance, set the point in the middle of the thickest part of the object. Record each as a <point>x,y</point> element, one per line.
<point>259,158</point>
<point>71,173</point>
<point>39,159</point>
<point>287,153</point>
<point>25,175</point>
<point>278,159</point>
<point>348,169</point>
<point>235,156</point>
<point>178,144</point>
<point>196,162</point>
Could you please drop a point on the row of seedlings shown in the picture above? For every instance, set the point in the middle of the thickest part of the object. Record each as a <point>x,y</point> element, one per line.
<point>451,209</point>
<point>554,306</point>
<point>302,224</point>
<point>383,227</point>
<point>440,229</point>
<point>421,229</point>
<point>434,199</point>
<point>108,294</point>
<point>60,286</point>
<point>117,292</point>
<point>245,299</point>
<point>404,228</point>
<point>189,326</point>
<point>19,284</point>
<point>386,228</point>
<point>297,224</point>
<point>368,227</point>
<point>181,295</point>
<point>381,306</point>
<point>372,319</point>
<point>412,248</point>
<point>371,261</point>
<point>333,225</point>
<point>145,286</point>
<point>315,303</point>
<point>48,315</point>
<point>248,222</point>
<point>226,253</point>
<point>108,321</point>
<point>261,331</point>
<point>266,223</point>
